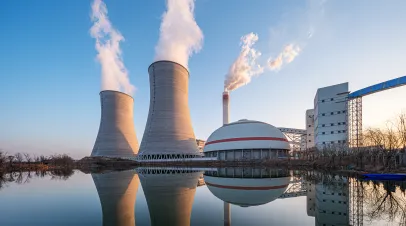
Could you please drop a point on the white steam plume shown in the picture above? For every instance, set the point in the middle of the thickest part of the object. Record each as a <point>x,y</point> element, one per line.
<point>245,66</point>
<point>287,55</point>
<point>114,73</point>
<point>180,36</point>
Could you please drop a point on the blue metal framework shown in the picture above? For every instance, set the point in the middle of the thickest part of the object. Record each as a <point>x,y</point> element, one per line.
<point>378,87</point>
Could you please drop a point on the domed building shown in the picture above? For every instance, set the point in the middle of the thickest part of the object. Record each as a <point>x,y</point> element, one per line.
<point>247,140</point>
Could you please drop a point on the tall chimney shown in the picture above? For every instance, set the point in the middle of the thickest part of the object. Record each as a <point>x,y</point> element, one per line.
<point>226,107</point>
<point>116,137</point>
<point>168,132</point>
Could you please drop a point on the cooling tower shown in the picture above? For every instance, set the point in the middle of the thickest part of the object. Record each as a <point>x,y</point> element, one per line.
<point>226,107</point>
<point>169,195</point>
<point>117,192</point>
<point>168,132</point>
<point>116,137</point>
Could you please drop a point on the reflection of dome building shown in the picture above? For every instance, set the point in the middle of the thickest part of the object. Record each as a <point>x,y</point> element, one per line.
<point>117,192</point>
<point>253,188</point>
<point>246,140</point>
<point>169,194</point>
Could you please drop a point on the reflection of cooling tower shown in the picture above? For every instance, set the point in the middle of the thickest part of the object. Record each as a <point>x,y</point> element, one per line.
<point>116,137</point>
<point>117,192</point>
<point>169,128</point>
<point>170,196</point>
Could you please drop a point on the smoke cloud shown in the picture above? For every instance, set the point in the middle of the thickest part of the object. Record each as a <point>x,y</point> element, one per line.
<point>245,66</point>
<point>180,36</point>
<point>114,73</point>
<point>287,55</point>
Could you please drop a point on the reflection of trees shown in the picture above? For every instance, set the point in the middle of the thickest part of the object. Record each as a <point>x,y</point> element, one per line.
<point>20,177</point>
<point>385,201</point>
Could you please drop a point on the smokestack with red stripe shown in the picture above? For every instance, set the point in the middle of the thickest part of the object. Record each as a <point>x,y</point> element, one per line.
<point>226,107</point>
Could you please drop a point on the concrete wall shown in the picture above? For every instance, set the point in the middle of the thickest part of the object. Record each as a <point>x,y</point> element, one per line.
<point>169,126</point>
<point>116,136</point>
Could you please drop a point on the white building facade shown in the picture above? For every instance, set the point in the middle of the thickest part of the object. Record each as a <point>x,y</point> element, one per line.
<point>309,128</point>
<point>331,116</point>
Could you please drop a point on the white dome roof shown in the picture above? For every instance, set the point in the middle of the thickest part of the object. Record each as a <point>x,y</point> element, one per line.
<point>246,134</point>
<point>247,192</point>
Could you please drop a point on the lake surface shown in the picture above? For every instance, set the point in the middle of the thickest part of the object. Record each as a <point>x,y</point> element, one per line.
<point>218,196</point>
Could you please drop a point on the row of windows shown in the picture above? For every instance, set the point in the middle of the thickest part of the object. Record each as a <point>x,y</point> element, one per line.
<point>333,212</point>
<point>332,124</point>
<point>332,132</point>
<point>339,194</point>
<point>335,113</point>
<point>338,142</point>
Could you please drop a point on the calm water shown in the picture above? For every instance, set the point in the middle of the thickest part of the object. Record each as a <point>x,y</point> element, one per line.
<point>233,196</point>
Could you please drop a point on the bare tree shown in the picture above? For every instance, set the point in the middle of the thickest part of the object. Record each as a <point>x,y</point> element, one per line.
<point>28,158</point>
<point>19,158</point>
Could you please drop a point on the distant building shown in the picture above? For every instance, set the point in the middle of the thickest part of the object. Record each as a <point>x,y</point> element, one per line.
<point>330,115</point>
<point>309,128</point>
<point>200,144</point>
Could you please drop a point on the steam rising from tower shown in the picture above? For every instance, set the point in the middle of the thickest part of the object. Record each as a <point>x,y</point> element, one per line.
<point>287,55</point>
<point>114,73</point>
<point>245,66</point>
<point>116,137</point>
<point>180,36</point>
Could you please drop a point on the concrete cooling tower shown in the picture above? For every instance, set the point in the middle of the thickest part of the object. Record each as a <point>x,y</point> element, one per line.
<point>168,132</point>
<point>117,192</point>
<point>116,137</point>
<point>169,195</point>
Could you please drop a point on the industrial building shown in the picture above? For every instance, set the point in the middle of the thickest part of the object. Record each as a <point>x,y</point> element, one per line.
<point>246,140</point>
<point>117,192</point>
<point>116,136</point>
<point>330,115</point>
<point>309,139</point>
<point>168,133</point>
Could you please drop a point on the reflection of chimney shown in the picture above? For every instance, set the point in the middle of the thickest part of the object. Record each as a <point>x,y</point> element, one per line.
<point>117,192</point>
<point>227,214</point>
<point>169,196</point>
<point>226,107</point>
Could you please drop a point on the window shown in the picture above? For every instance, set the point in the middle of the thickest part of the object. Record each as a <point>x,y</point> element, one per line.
<point>331,124</point>
<point>338,141</point>
<point>343,123</point>
<point>339,131</point>
<point>332,142</point>
<point>322,101</point>
<point>324,200</point>
<point>339,123</point>
<point>332,201</point>
<point>310,140</point>
<point>343,141</point>
<point>332,113</point>
<point>323,133</point>
<point>323,125</point>
<point>323,114</point>
<point>332,99</point>
<point>310,125</point>
<point>324,143</point>
<point>332,132</point>
<point>338,112</point>
<point>343,131</point>
<point>343,111</point>
<point>339,194</point>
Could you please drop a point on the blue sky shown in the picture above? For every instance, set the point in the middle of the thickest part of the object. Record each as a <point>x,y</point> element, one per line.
<point>50,79</point>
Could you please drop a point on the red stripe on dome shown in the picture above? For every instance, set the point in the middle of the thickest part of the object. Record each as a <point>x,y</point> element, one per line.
<point>247,188</point>
<point>246,139</point>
